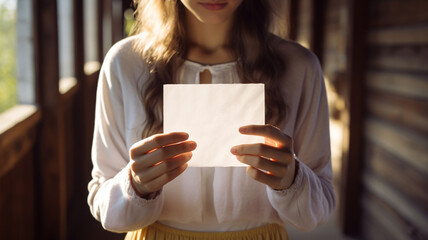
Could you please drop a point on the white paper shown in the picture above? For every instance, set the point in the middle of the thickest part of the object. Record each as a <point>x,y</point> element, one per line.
<point>212,114</point>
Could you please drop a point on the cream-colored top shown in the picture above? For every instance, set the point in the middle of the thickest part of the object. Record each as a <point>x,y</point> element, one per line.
<point>210,199</point>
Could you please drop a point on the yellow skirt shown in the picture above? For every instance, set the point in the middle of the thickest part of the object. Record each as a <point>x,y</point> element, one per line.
<point>160,231</point>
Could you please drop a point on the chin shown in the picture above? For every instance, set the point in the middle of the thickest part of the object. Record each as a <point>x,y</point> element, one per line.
<point>214,19</point>
<point>212,11</point>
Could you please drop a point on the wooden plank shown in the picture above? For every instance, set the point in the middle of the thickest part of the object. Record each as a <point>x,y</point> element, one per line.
<point>318,19</point>
<point>410,113</point>
<point>294,19</point>
<point>398,202</point>
<point>371,228</point>
<point>117,20</point>
<point>333,13</point>
<point>72,161</point>
<point>304,19</point>
<point>335,3</point>
<point>107,25</point>
<point>406,145</point>
<point>49,162</point>
<point>394,13</point>
<point>13,153</point>
<point>335,40</point>
<point>78,33</point>
<point>16,121</point>
<point>77,155</point>
<point>413,35</point>
<point>75,118</point>
<point>334,63</point>
<point>402,58</point>
<point>397,174</point>
<point>17,208</point>
<point>334,27</point>
<point>353,118</point>
<point>100,36</point>
<point>336,16</point>
<point>386,222</point>
<point>404,84</point>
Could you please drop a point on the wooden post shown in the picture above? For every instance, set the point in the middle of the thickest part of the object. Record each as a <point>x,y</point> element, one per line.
<point>78,218</point>
<point>107,26</point>
<point>100,37</point>
<point>117,20</point>
<point>49,162</point>
<point>317,41</point>
<point>79,111</point>
<point>350,212</point>
<point>294,19</point>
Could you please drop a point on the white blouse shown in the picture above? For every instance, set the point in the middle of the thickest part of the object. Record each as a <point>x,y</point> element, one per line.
<point>209,199</point>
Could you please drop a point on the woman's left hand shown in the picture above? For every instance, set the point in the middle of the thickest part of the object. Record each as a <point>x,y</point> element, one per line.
<point>272,163</point>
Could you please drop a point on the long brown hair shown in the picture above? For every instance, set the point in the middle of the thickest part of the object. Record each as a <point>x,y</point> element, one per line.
<point>162,43</point>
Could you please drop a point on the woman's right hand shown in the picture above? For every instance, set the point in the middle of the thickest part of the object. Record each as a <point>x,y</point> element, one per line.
<point>157,160</point>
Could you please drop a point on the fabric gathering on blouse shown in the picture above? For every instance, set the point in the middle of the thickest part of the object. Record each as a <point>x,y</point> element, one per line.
<point>210,199</point>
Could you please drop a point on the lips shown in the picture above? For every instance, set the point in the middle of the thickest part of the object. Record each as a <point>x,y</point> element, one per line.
<point>213,6</point>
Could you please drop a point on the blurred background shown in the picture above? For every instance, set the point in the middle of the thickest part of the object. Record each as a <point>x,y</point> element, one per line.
<point>374,56</point>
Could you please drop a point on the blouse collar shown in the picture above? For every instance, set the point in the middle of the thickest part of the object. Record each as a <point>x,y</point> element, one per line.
<point>221,73</point>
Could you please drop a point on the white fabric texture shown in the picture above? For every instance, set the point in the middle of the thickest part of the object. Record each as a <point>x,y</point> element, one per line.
<point>210,199</point>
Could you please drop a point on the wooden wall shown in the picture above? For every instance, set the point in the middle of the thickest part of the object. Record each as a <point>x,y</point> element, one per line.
<point>45,148</point>
<point>17,194</point>
<point>374,56</point>
<point>395,174</point>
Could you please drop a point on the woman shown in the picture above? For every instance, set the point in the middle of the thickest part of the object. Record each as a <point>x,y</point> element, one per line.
<point>143,187</point>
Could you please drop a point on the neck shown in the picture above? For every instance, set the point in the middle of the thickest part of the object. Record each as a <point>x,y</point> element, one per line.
<point>210,37</point>
<point>208,43</point>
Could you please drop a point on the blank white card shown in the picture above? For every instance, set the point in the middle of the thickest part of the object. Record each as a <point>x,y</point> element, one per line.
<point>212,114</point>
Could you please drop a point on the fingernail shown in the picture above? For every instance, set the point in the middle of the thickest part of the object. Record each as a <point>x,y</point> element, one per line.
<point>192,145</point>
<point>243,129</point>
<point>233,150</point>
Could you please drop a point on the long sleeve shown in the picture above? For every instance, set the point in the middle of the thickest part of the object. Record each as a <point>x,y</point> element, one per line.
<point>310,201</point>
<point>111,198</point>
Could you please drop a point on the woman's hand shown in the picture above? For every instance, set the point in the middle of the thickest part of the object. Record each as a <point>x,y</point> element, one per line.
<point>272,163</point>
<point>159,159</point>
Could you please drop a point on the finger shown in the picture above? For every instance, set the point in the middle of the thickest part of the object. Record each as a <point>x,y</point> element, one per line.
<point>156,141</point>
<point>268,131</point>
<point>163,153</point>
<point>274,168</point>
<point>270,142</point>
<point>261,149</point>
<point>260,176</point>
<point>157,183</point>
<point>164,167</point>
